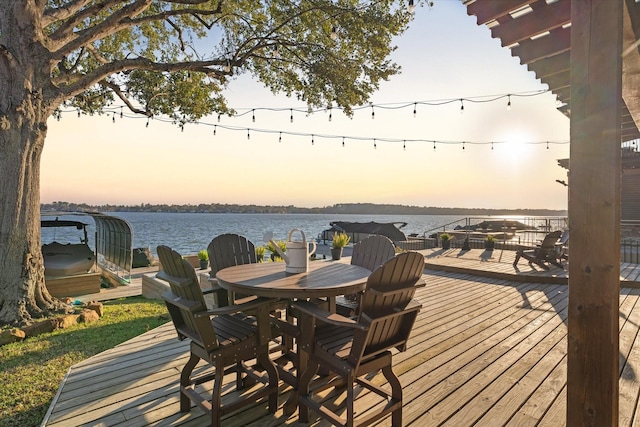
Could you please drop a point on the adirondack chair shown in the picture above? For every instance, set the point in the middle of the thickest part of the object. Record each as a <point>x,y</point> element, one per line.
<point>369,253</point>
<point>353,348</point>
<point>225,337</point>
<point>172,266</point>
<point>543,254</point>
<point>227,250</point>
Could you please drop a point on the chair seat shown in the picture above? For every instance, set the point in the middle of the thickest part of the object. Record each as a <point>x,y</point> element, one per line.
<point>232,329</point>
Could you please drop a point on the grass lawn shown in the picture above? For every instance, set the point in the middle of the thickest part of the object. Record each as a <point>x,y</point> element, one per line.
<point>31,371</point>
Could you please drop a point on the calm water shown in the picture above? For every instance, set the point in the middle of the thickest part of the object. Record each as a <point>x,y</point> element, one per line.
<point>189,232</point>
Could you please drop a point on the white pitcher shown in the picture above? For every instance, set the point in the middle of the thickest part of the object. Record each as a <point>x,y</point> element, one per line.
<point>298,253</point>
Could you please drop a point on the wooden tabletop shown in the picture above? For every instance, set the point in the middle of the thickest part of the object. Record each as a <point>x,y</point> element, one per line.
<point>324,279</point>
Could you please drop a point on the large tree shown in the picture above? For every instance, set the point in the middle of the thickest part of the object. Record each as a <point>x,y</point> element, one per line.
<point>161,57</point>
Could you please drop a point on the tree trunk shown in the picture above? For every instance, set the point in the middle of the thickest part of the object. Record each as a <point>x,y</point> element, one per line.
<point>27,100</point>
<point>23,294</point>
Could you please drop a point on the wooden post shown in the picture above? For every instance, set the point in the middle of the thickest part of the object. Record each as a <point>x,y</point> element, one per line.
<point>594,212</point>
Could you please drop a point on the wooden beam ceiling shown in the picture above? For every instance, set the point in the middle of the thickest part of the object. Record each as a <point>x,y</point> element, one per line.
<point>538,33</point>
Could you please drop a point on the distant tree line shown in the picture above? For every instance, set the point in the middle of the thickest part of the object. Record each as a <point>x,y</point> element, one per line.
<point>342,208</point>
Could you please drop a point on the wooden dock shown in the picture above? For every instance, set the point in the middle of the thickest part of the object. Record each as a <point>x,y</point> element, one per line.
<point>486,350</point>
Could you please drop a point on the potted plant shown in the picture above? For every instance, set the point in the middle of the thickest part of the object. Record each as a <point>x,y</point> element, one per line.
<point>339,241</point>
<point>490,242</point>
<point>274,253</point>
<point>446,240</point>
<point>203,256</point>
<point>260,251</point>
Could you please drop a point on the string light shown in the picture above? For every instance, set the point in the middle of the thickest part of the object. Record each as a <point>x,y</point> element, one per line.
<point>404,145</point>
<point>214,130</point>
<point>114,111</point>
<point>373,113</point>
<point>400,105</point>
<point>276,54</point>
<point>113,117</point>
<point>509,103</point>
<point>78,112</point>
<point>374,144</point>
<point>461,106</point>
<point>411,8</point>
<point>334,33</point>
<point>415,109</point>
<point>253,117</point>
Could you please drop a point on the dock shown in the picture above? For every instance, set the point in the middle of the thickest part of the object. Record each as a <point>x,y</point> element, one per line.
<point>489,348</point>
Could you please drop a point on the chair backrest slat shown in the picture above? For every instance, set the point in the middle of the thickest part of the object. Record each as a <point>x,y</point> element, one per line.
<point>550,240</point>
<point>228,250</point>
<point>372,252</point>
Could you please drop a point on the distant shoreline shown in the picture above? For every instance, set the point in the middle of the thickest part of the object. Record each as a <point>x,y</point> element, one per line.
<point>342,208</point>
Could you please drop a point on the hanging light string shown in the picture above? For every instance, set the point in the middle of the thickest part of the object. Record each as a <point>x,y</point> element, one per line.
<point>413,105</point>
<point>315,136</point>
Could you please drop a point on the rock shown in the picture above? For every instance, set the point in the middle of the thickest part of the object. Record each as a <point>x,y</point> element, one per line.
<point>97,307</point>
<point>11,335</point>
<point>66,321</point>
<point>43,327</point>
<point>88,316</point>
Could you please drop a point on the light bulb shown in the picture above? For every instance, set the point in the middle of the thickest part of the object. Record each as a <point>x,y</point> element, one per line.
<point>334,33</point>
<point>411,8</point>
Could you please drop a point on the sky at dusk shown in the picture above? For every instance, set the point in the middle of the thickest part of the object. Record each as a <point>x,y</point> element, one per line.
<point>391,158</point>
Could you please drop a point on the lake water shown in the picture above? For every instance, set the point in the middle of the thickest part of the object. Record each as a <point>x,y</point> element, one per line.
<point>189,232</point>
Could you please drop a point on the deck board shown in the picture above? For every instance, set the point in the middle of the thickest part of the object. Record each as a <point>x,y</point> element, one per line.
<point>487,349</point>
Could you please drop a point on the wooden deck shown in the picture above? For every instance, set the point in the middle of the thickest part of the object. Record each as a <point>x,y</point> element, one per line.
<point>485,351</point>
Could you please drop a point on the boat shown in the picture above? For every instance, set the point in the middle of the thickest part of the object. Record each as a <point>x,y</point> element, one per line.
<point>67,259</point>
<point>73,269</point>
<point>361,230</point>
<point>497,225</point>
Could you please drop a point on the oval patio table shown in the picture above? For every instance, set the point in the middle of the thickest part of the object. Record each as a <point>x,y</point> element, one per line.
<point>324,279</point>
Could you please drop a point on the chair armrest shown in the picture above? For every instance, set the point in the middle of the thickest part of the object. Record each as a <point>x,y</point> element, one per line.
<point>182,303</point>
<point>251,304</point>
<point>325,316</point>
<point>175,281</point>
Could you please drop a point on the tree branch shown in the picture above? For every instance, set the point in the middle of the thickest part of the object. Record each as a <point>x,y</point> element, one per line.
<point>63,12</point>
<point>78,83</point>
<point>112,24</point>
<point>123,20</point>
<point>116,89</point>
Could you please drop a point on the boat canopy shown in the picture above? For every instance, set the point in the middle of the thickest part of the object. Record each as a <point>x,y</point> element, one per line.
<point>114,240</point>
<point>355,229</point>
